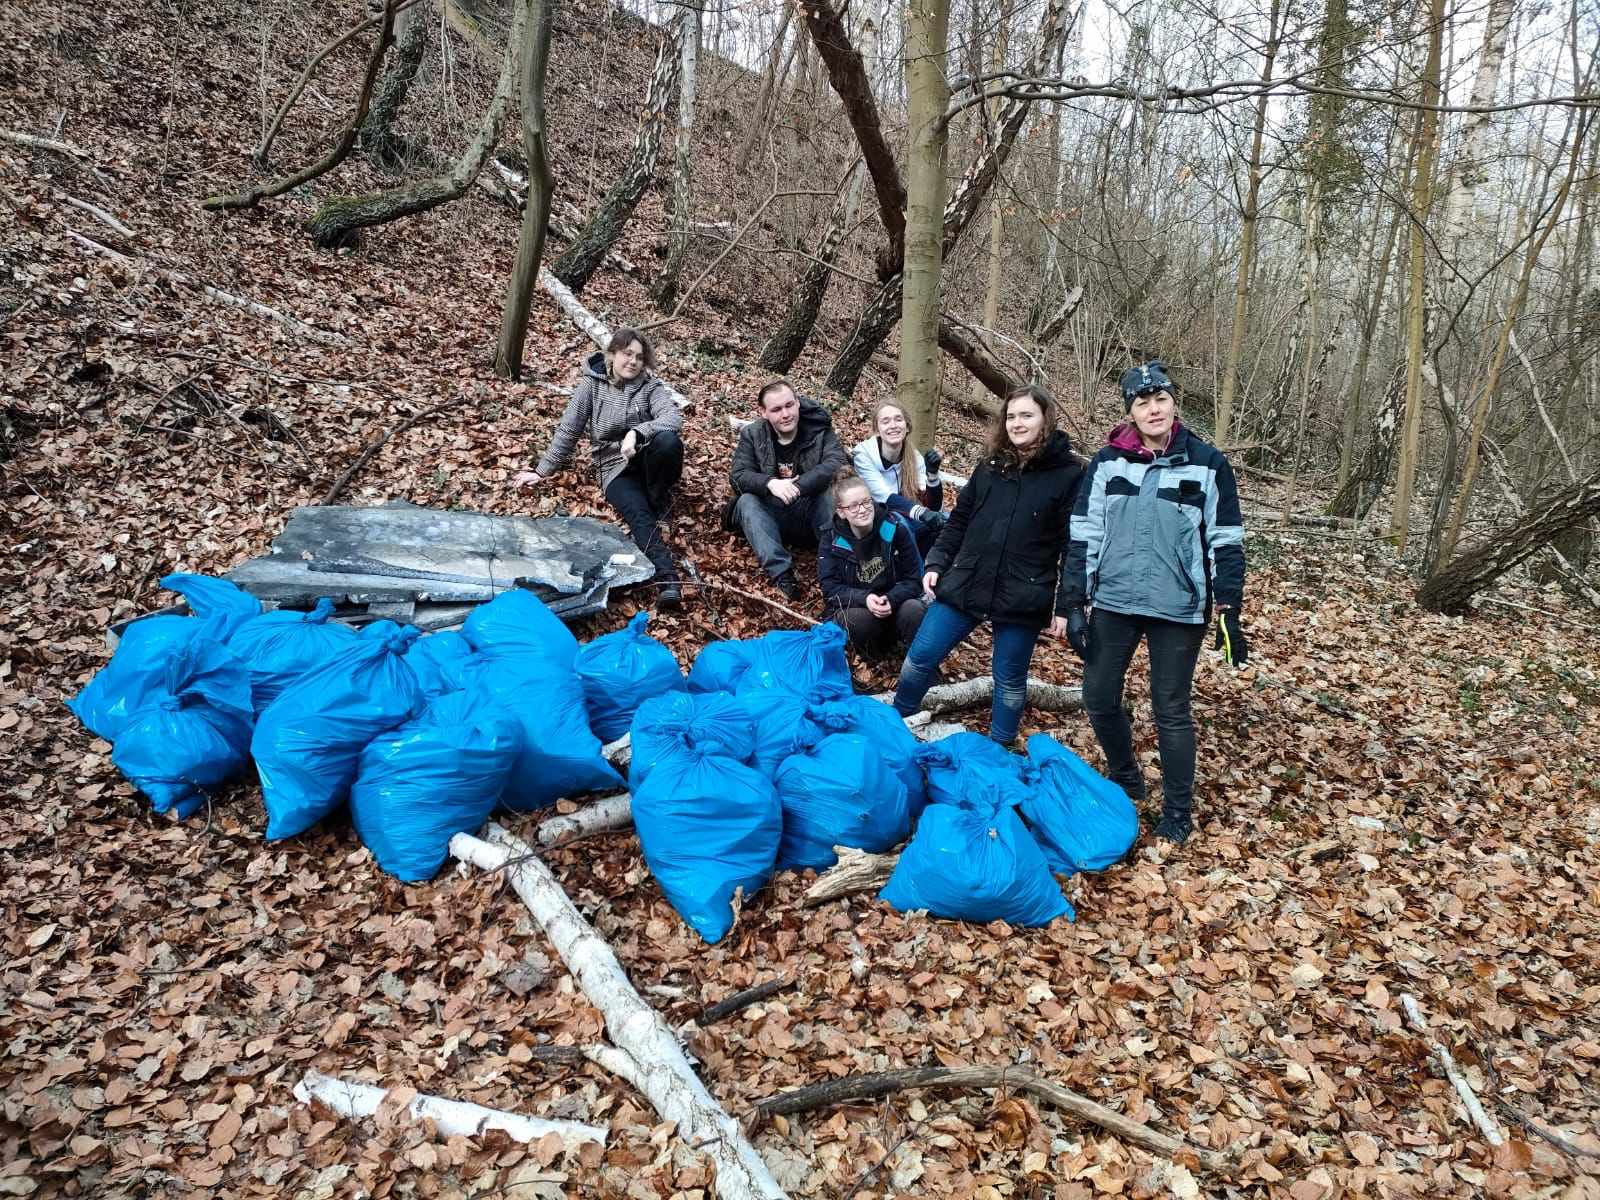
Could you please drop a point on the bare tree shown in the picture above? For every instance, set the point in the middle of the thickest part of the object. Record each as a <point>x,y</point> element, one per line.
<point>680,224</point>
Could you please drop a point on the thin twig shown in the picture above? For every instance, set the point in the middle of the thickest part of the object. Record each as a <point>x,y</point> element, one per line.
<point>377,444</point>
<point>744,999</point>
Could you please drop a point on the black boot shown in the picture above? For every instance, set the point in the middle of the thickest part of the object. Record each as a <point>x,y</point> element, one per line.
<point>1175,826</point>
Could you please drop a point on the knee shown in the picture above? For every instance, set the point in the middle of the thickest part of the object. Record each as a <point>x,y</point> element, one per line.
<point>747,508</point>
<point>1172,710</point>
<point>667,442</point>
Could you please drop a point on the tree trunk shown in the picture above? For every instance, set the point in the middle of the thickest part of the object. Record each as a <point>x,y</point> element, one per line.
<point>1416,333</point>
<point>1468,171</point>
<point>253,196</point>
<point>997,220</point>
<point>848,74</point>
<point>789,340</point>
<point>918,384</point>
<point>764,98</point>
<point>1490,385</point>
<point>1451,590</point>
<point>990,376</point>
<point>1247,244</point>
<point>379,142</point>
<point>583,257</point>
<point>541,189</point>
<point>680,223</point>
<point>1365,481</point>
<point>338,221</point>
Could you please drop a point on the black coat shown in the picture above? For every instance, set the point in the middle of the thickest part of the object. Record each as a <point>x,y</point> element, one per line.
<point>820,455</point>
<point>851,568</point>
<point>1000,557</point>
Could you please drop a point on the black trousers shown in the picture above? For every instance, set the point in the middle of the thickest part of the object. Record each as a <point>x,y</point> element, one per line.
<point>875,635</point>
<point>641,495</point>
<point>1174,648</point>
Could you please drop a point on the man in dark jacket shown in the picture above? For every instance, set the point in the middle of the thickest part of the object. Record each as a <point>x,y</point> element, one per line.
<point>783,467</point>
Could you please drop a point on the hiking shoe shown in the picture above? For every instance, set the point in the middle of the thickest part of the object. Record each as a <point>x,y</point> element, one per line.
<point>788,585</point>
<point>670,596</point>
<point>1175,827</point>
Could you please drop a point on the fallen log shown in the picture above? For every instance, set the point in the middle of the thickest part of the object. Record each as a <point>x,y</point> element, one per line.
<point>645,1052</point>
<point>43,143</point>
<point>870,1087</point>
<point>601,816</point>
<point>452,1118</point>
<point>1469,1098</point>
<point>742,1000</point>
<point>293,324</point>
<point>947,697</point>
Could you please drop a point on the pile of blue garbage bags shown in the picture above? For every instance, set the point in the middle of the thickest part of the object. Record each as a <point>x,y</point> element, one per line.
<point>762,759</point>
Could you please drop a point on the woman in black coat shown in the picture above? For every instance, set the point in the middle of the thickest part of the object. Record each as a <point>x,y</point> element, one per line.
<point>1000,558</point>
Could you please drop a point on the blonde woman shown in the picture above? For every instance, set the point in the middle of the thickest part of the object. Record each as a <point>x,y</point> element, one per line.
<point>899,477</point>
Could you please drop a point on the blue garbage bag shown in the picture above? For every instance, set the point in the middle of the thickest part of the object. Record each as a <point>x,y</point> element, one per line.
<point>1082,820</point>
<point>622,670</point>
<point>194,735</point>
<point>440,661</point>
<point>971,769</point>
<point>308,743</point>
<point>712,722</point>
<point>137,672</point>
<point>560,755</point>
<point>224,603</point>
<point>799,661</point>
<point>782,725</point>
<point>708,825</point>
<point>282,645</point>
<point>840,792</point>
<point>517,622</point>
<point>719,666</point>
<point>437,775</point>
<point>886,730</point>
<point>978,863</point>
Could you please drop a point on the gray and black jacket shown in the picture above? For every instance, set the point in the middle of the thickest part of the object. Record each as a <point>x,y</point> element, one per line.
<point>1157,535</point>
<point>755,458</point>
<point>606,411</point>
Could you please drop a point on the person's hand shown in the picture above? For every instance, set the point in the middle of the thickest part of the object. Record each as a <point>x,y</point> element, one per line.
<point>932,518</point>
<point>929,582</point>
<point>527,480</point>
<point>630,444</point>
<point>1077,631</point>
<point>1058,627</point>
<point>785,491</point>
<point>1230,638</point>
<point>879,606</point>
<point>931,460</point>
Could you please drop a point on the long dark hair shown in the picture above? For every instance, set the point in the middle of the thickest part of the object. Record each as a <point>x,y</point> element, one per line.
<point>998,443</point>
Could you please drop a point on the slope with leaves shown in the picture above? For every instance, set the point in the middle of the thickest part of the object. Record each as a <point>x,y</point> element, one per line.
<point>1415,811</point>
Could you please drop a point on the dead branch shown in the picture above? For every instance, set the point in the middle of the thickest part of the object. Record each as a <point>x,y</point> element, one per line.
<point>99,214</point>
<point>749,595</point>
<point>856,871</point>
<point>340,150</point>
<point>742,1000</point>
<point>39,143</point>
<point>947,697</point>
<point>377,444</point>
<point>385,17</point>
<point>601,816</point>
<point>293,324</point>
<point>884,1083</point>
<point>1469,1098</point>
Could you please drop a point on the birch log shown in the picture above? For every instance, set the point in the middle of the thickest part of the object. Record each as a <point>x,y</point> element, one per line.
<point>646,1052</point>
<point>452,1118</point>
<point>1485,1123</point>
<point>947,697</point>
<point>602,816</point>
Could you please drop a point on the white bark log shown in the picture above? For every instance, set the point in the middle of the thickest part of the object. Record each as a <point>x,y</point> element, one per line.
<point>602,816</point>
<point>39,143</point>
<point>646,1052</point>
<point>856,871</point>
<point>452,1118</point>
<point>99,214</point>
<point>947,697</point>
<point>293,325</point>
<point>1485,1123</point>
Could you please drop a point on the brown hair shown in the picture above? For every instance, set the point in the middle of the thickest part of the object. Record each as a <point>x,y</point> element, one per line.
<point>625,336</point>
<point>909,458</point>
<point>998,443</point>
<point>843,480</point>
<point>768,388</point>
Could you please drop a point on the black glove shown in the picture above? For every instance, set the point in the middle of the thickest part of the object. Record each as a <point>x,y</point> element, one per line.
<point>933,518</point>
<point>931,460</point>
<point>1078,632</point>
<point>1230,638</point>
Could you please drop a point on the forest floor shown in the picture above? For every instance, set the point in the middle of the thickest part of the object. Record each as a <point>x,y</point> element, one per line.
<point>1389,801</point>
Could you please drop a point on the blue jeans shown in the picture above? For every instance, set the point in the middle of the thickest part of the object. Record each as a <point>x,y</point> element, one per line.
<point>942,630</point>
<point>771,527</point>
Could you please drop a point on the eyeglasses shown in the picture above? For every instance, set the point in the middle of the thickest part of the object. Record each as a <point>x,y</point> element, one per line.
<point>858,506</point>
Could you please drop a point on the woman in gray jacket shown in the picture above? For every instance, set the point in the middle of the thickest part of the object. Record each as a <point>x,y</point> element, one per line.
<point>633,423</point>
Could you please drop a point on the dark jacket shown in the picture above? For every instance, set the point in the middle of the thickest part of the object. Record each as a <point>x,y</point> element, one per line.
<point>1157,535</point>
<point>1000,556</point>
<point>606,411</point>
<point>755,458</point>
<point>885,562</point>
